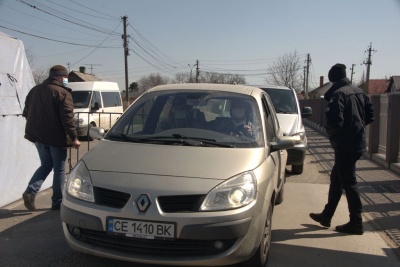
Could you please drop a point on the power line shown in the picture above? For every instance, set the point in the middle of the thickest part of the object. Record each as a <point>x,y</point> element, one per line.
<point>49,39</point>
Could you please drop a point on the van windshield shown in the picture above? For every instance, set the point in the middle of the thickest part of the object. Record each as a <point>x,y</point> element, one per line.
<point>284,100</point>
<point>81,98</point>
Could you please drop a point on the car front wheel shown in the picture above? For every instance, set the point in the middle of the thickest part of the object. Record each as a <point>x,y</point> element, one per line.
<point>260,258</point>
<point>297,169</point>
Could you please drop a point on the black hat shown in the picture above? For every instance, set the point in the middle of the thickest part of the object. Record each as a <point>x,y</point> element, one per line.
<point>337,72</point>
<point>58,70</point>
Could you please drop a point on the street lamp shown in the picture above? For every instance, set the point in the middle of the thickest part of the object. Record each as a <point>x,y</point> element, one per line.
<point>191,67</point>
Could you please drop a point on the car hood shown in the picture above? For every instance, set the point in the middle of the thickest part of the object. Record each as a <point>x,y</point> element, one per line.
<point>290,123</point>
<point>168,160</point>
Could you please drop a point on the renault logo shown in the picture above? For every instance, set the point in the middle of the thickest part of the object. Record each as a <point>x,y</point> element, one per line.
<point>143,202</point>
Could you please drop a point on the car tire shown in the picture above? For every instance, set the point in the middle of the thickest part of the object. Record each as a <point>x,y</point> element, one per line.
<point>297,169</point>
<point>260,258</point>
<point>280,197</point>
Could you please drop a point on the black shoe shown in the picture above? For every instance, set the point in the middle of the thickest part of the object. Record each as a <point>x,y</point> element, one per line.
<point>55,206</point>
<point>350,228</point>
<point>319,217</point>
<point>29,201</point>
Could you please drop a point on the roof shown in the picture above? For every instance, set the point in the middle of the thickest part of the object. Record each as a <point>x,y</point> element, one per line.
<point>242,89</point>
<point>378,86</point>
<point>76,76</point>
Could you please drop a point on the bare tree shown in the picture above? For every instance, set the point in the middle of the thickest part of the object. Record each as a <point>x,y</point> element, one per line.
<point>286,71</point>
<point>39,75</point>
<point>181,77</point>
<point>151,80</point>
<point>221,78</point>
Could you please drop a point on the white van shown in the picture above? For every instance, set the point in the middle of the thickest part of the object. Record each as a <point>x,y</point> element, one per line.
<point>96,103</point>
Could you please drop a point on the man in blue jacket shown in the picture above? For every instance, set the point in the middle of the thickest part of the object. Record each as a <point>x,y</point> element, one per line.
<point>348,112</point>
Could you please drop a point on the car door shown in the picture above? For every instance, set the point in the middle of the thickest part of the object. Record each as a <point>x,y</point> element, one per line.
<point>272,132</point>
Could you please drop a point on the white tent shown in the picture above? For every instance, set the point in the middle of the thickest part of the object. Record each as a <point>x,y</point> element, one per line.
<point>18,157</point>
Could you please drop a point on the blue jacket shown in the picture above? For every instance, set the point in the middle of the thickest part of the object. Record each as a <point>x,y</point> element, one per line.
<point>348,112</point>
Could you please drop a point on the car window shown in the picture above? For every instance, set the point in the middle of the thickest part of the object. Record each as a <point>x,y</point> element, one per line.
<point>284,100</point>
<point>96,99</point>
<point>81,98</point>
<point>111,99</point>
<point>224,117</point>
<point>270,121</point>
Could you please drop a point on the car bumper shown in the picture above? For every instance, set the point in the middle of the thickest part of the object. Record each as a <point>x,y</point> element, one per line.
<point>233,237</point>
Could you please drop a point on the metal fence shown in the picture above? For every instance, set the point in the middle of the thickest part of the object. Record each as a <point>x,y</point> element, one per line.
<point>383,135</point>
<point>102,119</point>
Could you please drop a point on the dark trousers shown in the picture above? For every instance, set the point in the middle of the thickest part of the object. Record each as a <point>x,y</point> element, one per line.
<point>343,177</point>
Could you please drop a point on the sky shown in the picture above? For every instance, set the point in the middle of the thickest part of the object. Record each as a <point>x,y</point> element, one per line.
<point>226,36</point>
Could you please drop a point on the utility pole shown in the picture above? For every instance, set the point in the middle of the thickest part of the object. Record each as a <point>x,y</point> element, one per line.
<point>126,54</point>
<point>304,79</point>
<point>197,71</point>
<point>68,64</point>
<point>352,72</point>
<point>308,71</point>
<point>368,63</point>
<point>91,67</point>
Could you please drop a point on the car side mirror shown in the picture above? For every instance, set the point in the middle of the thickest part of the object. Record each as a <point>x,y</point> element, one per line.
<point>96,106</point>
<point>96,132</point>
<point>306,112</point>
<point>283,142</point>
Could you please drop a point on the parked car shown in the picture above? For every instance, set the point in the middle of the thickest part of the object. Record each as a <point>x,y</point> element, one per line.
<point>175,182</point>
<point>290,119</point>
<point>96,103</point>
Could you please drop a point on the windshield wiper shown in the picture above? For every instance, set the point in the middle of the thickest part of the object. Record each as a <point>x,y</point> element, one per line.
<point>171,139</point>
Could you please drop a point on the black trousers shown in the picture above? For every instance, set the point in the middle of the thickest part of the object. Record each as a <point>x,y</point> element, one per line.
<point>343,177</point>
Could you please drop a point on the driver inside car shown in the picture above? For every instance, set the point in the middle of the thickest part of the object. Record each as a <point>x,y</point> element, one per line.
<point>239,120</point>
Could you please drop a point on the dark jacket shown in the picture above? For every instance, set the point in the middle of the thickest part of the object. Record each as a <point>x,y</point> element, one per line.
<point>349,111</point>
<point>49,115</point>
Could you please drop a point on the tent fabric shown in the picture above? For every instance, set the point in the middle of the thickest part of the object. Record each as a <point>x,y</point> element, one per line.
<point>18,158</point>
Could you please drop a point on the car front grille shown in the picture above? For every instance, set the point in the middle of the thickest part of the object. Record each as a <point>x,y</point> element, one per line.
<point>185,203</point>
<point>150,247</point>
<point>168,204</point>
<point>110,198</point>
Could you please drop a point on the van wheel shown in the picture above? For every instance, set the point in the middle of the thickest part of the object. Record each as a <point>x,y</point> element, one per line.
<point>260,258</point>
<point>297,169</point>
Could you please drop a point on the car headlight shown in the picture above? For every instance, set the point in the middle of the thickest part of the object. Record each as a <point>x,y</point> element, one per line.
<point>79,184</point>
<point>299,137</point>
<point>234,193</point>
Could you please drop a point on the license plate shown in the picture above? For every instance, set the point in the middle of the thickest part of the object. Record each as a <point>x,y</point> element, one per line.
<point>140,229</point>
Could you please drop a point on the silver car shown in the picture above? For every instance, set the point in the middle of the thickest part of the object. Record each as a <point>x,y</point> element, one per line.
<point>189,175</point>
<point>291,121</point>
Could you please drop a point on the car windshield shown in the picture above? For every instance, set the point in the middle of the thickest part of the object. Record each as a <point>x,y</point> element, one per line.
<point>81,98</point>
<point>191,118</point>
<point>283,100</point>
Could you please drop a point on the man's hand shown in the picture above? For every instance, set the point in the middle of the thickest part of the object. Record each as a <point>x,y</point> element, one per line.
<point>77,144</point>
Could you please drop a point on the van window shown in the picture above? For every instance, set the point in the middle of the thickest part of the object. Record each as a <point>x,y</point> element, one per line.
<point>111,99</point>
<point>96,99</point>
<point>81,98</point>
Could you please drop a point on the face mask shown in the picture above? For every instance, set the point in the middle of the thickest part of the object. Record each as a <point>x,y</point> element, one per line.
<point>65,81</point>
<point>238,113</point>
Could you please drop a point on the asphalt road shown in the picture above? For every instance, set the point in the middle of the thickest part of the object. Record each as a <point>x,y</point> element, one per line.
<point>36,239</point>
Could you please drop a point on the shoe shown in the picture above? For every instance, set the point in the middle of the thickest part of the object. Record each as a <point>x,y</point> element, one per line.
<point>319,217</point>
<point>29,201</point>
<point>350,228</point>
<point>55,206</point>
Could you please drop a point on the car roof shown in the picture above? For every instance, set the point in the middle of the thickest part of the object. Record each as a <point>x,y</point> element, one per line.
<point>272,86</point>
<point>242,89</point>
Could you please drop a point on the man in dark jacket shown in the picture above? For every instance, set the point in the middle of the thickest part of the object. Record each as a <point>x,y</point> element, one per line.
<point>50,126</point>
<point>349,111</point>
